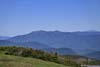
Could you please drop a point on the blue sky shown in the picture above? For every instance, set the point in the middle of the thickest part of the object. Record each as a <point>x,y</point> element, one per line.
<point>23,16</point>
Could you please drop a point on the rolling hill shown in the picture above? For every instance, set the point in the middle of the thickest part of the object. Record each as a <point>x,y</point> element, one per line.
<point>95,55</point>
<point>16,61</point>
<point>61,51</point>
<point>34,45</point>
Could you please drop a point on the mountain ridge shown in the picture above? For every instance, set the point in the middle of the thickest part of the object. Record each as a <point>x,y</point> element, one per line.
<point>61,39</point>
<point>4,37</point>
<point>56,39</point>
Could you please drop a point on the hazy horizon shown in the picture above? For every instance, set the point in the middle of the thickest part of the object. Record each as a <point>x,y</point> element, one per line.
<point>47,31</point>
<point>19,17</point>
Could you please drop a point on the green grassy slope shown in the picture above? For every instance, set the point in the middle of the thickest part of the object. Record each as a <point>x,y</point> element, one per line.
<point>16,61</point>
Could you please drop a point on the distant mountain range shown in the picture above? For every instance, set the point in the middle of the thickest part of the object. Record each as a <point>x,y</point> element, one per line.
<point>95,54</point>
<point>64,42</point>
<point>4,37</point>
<point>57,39</point>
<point>34,45</point>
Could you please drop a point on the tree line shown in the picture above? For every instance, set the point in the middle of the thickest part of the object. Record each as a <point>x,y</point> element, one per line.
<point>39,54</point>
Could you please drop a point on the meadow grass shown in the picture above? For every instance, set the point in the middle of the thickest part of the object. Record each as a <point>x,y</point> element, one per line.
<point>16,61</point>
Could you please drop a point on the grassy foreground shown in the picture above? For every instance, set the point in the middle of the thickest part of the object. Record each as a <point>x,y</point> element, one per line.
<point>16,61</point>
